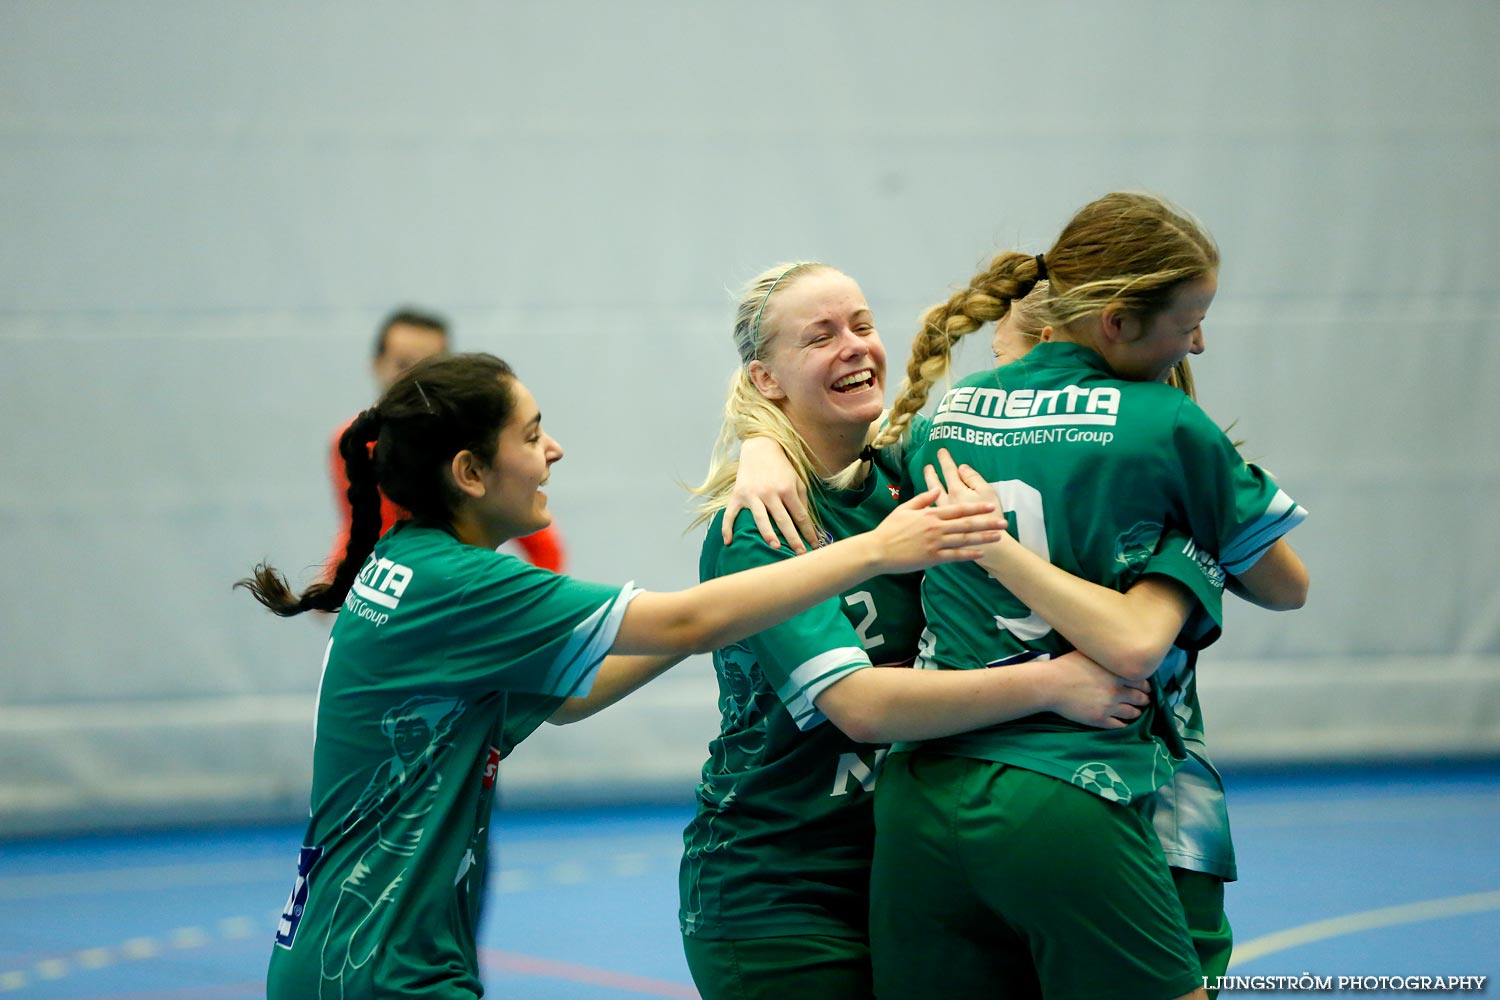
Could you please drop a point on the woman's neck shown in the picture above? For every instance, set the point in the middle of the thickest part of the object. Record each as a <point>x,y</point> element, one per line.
<point>833,448</point>
<point>1084,333</point>
<point>471,530</point>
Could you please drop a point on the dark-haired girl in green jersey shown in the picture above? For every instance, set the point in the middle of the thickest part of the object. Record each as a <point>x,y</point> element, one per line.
<point>446,654</point>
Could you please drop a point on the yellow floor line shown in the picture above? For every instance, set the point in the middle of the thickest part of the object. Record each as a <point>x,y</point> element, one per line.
<point>1354,923</point>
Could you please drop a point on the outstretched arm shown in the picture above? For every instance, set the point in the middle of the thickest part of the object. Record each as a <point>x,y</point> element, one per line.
<point>717,612</point>
<point>617,677</point>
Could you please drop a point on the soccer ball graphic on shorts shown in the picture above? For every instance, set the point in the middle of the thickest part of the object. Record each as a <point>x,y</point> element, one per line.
<point>1101,779</point>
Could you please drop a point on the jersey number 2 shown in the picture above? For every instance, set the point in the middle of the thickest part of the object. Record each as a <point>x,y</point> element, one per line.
<point>862,599</point>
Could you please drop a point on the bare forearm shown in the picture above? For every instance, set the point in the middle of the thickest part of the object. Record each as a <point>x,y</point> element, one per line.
<point>884,705</point>
<point>618,676</point>
<point>729,608</point>
<point>913,536</point>
<point>1277,582</point>
<point>1128,634</point>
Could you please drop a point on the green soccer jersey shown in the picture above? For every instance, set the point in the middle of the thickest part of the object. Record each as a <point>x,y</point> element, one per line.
<point>783,836</point>
<point>1094,471</point>
<point>443,658</point>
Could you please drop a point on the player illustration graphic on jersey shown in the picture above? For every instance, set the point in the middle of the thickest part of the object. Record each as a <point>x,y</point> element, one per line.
<point>417,729</point>
<point>720,786</point>
<point>715,796</point>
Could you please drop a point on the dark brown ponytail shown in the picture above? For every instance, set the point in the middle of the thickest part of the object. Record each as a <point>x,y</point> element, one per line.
<point>439,407</point>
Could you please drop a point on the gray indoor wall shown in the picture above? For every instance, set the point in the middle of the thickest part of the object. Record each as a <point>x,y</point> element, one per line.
<point>205,208</point>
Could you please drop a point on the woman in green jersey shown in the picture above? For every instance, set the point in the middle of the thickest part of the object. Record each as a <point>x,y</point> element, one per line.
<point>1022,854</point>
<point>446,654</point>
<point>1189,813</point>
<point>775,873</point>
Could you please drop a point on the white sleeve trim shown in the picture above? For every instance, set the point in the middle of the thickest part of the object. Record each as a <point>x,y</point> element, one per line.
<point>814,676</point>
<point>577,665</point>
<point>1244,550</point>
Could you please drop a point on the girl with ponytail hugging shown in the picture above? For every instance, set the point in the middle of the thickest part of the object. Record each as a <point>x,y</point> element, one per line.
<point>446,654</point>
<point>776,868</point>
<point>1190,812</point>
<point>1024,854</point>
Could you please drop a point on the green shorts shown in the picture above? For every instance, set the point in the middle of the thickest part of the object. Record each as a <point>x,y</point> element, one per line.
<point>1202,898</point>
<point>994,880</point>
<point>781,968</point>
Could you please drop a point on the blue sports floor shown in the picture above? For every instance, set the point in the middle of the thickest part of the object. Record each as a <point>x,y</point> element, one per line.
<point>1344,873</point>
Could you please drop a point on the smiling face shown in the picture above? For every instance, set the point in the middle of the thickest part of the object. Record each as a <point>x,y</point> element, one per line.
<point>822,361</point>
<point>411,738</point>
<point>513,503</point>
<point>1148,350</point>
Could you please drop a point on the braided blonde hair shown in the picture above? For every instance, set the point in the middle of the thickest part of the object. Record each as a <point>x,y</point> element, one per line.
<point>1130,249</point>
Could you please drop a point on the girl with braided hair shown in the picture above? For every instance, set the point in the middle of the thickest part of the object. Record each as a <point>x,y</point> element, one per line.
<point>1189,813</point>
<point>1025,853</point>
<point>446,654</point>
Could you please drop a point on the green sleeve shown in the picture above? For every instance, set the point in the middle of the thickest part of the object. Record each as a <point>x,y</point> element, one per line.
<point>1180,558</point>
<point>1229,503</point>
<point>517,627</point>
<point>804,655</point>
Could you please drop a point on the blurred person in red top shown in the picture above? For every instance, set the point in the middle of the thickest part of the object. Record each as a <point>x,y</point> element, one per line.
<point>406,337</point>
